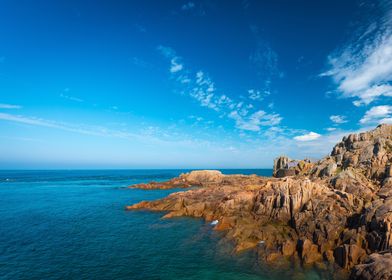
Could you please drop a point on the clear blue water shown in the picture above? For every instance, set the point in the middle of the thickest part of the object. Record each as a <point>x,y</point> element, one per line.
<point>72,225</point>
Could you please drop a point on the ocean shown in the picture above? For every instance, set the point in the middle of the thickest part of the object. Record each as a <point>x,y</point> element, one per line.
<point>71,224</point>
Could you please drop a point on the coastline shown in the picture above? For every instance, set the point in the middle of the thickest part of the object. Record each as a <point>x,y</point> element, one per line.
<point>334,211</point>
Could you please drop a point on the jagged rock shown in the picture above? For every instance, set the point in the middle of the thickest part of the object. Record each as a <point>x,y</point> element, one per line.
<point>309,251</point>
<point>280,173</point>
<point>378,266</point>
<point>368,152</point>
<point>329,170</point>
<point>386,188</point>
<point>289,248</point>
<point>338,209</point>
<point>281,163</point>
<point>354,183</point>
<point>284,166</point>
<point>349,255</point>
<point>388,171</point>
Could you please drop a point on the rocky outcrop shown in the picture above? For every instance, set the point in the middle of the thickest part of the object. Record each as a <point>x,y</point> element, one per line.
<point>336,210</point>
<point>195,178</point>
<point>284,166</point>
<point>369,152</point>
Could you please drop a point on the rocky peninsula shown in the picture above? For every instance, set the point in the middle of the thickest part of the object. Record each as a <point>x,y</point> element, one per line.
<point>337,210</point>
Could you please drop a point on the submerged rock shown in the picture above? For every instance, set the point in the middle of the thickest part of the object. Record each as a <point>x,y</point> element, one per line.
<point>338,209</point>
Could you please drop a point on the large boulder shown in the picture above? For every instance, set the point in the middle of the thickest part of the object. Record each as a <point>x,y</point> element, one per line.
<point>284,167</point>
<point>203,177</point>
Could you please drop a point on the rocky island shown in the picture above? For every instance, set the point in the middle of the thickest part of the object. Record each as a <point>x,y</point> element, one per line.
<point>337,210</point>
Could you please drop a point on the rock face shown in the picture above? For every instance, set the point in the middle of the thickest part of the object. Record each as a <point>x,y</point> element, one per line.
<point>337,210</point>
<point>284,166</point>
<point>378,266</point>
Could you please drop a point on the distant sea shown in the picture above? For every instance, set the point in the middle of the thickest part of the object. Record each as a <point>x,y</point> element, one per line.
<point>72,225</point>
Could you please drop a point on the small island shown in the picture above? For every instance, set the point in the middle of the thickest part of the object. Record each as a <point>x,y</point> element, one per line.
<point>336,211</point>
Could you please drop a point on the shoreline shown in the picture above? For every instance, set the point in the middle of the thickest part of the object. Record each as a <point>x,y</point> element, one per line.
<point>332,211</point>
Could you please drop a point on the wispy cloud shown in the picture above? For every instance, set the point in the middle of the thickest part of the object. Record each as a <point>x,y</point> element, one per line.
<point>377,114</point>
<point>146,135</point>
<point>265,60</point>
<point>175,61</point>
<point>92,130</point>
<point>338,119</point>
<point>9,106</point>
<point>65,95</point>
<point>137,61</point>
<point>140,28</point>
<point>188,6</point>
<point>97,131</point>
<point>254,121</point>
<point>175,65</point>
<point>201,87</point>
<point>257,95</point>
<point>307,137</point>
<point>363,68</point>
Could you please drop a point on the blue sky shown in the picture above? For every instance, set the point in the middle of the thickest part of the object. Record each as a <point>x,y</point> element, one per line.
<point>188,84</point>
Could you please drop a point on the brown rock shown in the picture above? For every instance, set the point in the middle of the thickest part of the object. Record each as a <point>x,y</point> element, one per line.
<point>289,248</point>
<point>339,208</point>
<point>309,252</point>
<point>349,255</point>
<point>378,266</point>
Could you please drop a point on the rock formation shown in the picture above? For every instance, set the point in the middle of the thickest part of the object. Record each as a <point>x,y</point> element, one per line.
<point>337,210</point>
<point>284,166</point>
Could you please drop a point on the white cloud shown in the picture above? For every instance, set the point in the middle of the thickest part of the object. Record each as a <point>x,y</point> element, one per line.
<point>9,106</point>
<point>331,128</point>
<point>254,94</point>
<point>175,66</point>
<point>175,61</point>
<point>201,87</point>
<point>308,137</point>
<point>188,6</point>
<point>363,69</point>
<point>257,95</point>
<point>254,121</point>
<point>338,119</point>
<point>203,91</point>
<point>378,114</point>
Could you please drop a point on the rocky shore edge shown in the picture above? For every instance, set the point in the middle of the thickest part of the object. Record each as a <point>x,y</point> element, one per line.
<point>337,210</point>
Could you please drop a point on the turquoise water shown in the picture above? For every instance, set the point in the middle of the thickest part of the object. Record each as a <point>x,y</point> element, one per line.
<point>72,225</point>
